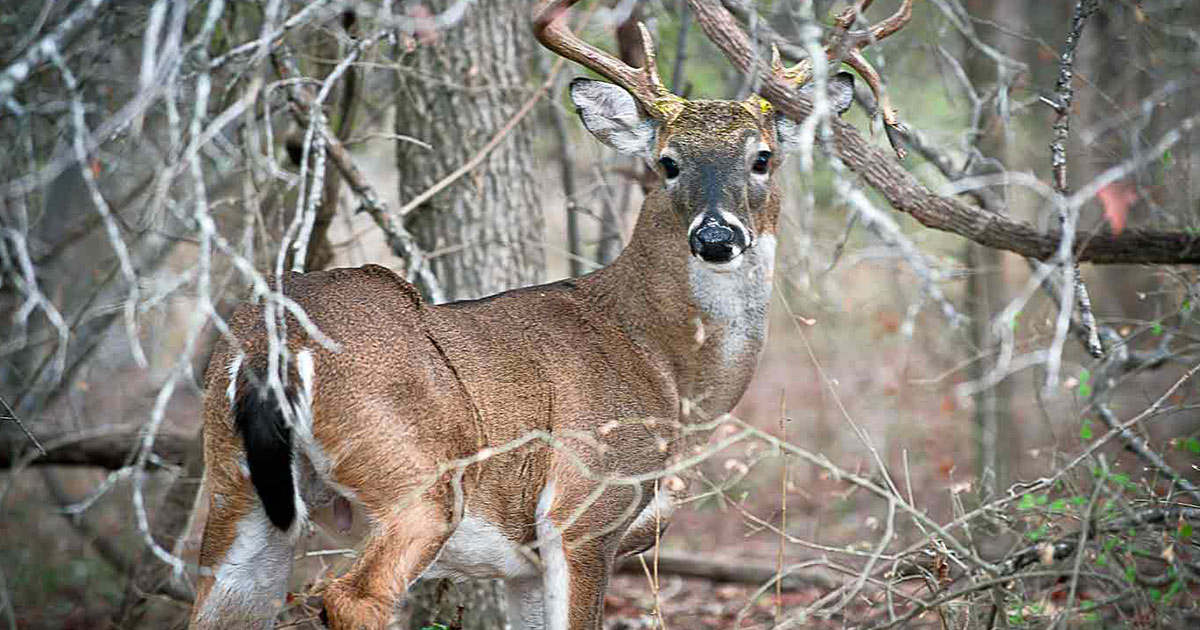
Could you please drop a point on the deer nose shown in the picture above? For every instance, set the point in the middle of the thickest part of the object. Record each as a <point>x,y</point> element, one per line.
<point>715,243</point>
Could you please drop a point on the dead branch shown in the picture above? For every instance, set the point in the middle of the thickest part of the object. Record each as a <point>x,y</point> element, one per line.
<point>303,104</point>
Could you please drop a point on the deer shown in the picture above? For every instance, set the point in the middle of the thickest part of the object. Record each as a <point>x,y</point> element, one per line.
<point>521,436</point>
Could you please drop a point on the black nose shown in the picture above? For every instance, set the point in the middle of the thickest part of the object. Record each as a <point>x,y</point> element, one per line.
<point>714,243</point>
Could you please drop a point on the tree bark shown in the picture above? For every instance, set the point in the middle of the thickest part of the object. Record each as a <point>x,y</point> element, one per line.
<point>457,89</point>
<point>484,232</point>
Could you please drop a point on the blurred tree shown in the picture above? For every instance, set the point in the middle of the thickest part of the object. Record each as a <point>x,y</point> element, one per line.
<point>987,294</point>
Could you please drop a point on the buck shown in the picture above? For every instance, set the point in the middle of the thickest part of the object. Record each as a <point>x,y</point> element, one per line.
<point>519,436</point>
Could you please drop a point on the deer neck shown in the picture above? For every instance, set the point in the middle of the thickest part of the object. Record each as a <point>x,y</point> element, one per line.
<point>705,325</point>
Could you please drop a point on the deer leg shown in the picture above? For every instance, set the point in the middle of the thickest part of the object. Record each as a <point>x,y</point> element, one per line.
<point>398,551</point>
<point>576,567</point>
<point>244,561</point>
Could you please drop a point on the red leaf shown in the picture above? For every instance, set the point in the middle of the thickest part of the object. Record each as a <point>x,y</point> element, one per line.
<point>1116,198</point>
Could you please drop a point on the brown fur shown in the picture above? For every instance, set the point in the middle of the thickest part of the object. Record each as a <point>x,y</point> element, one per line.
<point>601,363</point>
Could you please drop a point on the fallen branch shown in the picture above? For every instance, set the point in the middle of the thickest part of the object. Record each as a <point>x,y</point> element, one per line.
<point>728,570</point>
<point>110,448</point>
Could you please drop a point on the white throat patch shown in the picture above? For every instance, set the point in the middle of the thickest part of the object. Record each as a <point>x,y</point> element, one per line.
<point>736,297</point>
<point>735,293</point>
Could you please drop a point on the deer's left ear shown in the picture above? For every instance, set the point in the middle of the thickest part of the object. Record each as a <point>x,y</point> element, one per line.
<point>841,95</point>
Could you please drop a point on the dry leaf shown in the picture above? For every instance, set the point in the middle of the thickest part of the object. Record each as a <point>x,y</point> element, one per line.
<point>1116,199</point>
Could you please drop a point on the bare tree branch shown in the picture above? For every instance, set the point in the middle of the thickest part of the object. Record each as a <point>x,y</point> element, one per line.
<point>905,193</point>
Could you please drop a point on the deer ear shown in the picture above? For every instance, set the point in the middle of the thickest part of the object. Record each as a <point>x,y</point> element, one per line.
<point>841,95</point>
<point>611,114</point>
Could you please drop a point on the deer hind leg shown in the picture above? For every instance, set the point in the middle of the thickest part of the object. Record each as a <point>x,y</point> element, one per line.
<point>400,547</point>
<point>244,564</point>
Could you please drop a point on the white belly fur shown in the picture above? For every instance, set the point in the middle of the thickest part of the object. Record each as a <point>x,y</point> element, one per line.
<point>478,550</point>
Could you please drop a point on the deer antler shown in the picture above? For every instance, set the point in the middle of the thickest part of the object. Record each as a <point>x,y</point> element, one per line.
<point>644,84</point>
<point>846,46</point>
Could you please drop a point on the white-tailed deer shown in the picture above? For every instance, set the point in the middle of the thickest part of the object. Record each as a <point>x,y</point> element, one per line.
<point>518,436</point>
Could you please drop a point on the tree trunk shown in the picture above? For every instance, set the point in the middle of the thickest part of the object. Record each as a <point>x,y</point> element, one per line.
<point>456,90</point>
<point>996,437</point>
<point>484,232</point>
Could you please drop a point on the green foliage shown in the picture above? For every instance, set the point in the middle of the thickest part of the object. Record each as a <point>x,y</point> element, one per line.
<point>1085,383</point>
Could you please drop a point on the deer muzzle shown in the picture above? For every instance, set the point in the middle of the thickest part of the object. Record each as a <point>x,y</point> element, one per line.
<point>718,238</point>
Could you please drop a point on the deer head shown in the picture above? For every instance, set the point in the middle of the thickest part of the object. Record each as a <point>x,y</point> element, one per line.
<point>715,159</point>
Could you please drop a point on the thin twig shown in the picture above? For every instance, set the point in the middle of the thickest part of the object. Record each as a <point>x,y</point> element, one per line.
<point>19,70</point>
<point>479,156</point>
<point>399,240</point>
<point>1068,216</point>
<point>6,413</point>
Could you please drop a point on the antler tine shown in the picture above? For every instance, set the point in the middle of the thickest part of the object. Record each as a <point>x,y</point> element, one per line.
<point>644,84</point>
<point>846,46</point>
<point>894,23</point>
<point>846,19</point>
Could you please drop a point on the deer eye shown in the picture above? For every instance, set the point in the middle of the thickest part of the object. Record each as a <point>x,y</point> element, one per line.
<point>669,167</point>
<point>761,162</point>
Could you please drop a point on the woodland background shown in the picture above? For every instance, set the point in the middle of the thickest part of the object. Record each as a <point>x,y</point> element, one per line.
<point>929,441</point>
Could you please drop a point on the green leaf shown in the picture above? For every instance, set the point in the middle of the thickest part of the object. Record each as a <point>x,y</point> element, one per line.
<point>1121,479</point>
<point>1041,499</point>
<point>1059,505</point>
<point>1085,431</point>
<point>1079,500</point>
<point>1130,574</point>
<point>1027,502</point>
<point>1185,530</point>
<point>1167,159</point>
<point>1156,329</point>
<point>1102,559</point>
<point>1155,594</point>
<point>1192,444</point>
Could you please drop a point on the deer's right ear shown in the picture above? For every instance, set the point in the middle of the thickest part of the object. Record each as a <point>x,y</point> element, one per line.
<point>611,114</point>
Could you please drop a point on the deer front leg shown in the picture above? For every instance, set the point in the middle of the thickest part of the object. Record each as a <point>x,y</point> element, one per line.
<point>397,553</point>
<point>576,568</point>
